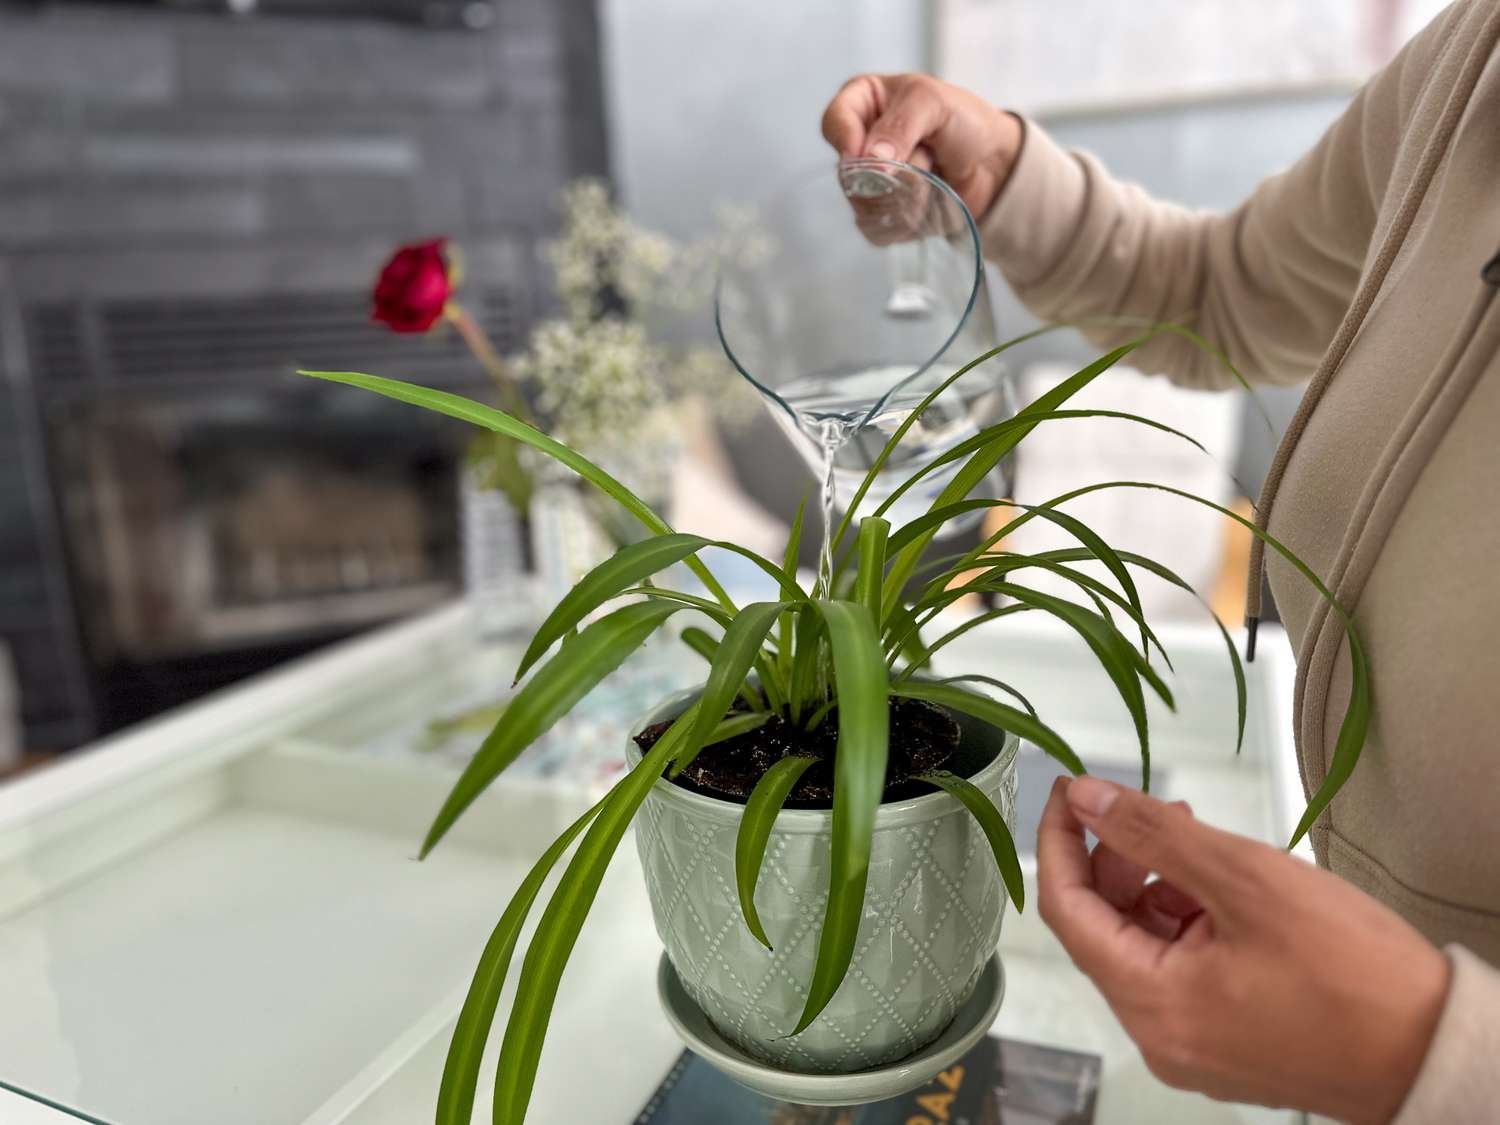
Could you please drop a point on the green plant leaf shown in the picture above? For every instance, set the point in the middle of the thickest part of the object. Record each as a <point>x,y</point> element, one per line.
<point>547,696</point>
<point>1119,659</point>
<point>487,417</point>
<point>858,783</point>
<point>994,567</point>
<point>622,570</point>
<point>756,822</point>
<point>1223,360</point>
<point>996,831</point>
<point>1355,724</point>
<point>734,725</point>
<point>461,1070</point>
<point>1167,574</point>
<point>803,688</point>
<point>793,550</point>
<point>787,581</point>
<point>706,646</point>
<point>700,642</point>
<point>870,577</point>
<point>1001,685</point>
<point>905,638</point>
<point>738,652</point>
<point>557,930</point>
<point>993,580</point>
<point>1106,555</point>
<point>987,456</point>
<point>1351,737</point>
<point>928,651</point>
<point>1075,527</point>
<point>495,461</point>
<point>911,420</point>
<point>996,714</point>
<point>712,610</point>
<point>1087,622</point>
<point>1149,328</point>
<point>770,680</point>
<point>1028,422</point>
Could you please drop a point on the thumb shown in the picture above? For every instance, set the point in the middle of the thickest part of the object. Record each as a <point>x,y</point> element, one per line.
<point>915,112</point>
<point>1210,865</point>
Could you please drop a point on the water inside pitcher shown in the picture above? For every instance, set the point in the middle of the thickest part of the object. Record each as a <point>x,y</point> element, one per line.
<point>865,292</point>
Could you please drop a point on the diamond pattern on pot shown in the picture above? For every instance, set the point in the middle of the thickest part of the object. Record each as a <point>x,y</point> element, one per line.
<point>933,909</point>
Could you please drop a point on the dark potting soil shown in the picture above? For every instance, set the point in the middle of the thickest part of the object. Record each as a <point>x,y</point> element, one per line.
<point>923,738</point>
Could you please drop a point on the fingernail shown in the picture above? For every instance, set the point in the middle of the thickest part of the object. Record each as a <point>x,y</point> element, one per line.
<point>883,150</point>
<point>1091,797</point>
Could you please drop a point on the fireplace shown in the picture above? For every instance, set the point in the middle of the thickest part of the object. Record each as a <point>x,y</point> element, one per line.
<point>218,514</point>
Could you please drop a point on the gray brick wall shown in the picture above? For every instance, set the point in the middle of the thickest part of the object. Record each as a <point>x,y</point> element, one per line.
<point>149,152</point>
<point>132,125</point>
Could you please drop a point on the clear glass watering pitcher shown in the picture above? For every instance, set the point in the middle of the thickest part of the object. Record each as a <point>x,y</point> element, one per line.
<point>849,298</point>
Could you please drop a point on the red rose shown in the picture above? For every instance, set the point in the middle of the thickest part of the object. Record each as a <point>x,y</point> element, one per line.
<point>413,288</point>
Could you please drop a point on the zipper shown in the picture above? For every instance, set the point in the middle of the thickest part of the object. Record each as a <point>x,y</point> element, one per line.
<point>1433,152</point>
<point>1489,275</point>
<point>1490,272</point>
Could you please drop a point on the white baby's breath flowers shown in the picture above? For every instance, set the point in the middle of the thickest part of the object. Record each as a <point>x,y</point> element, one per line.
<point>603,384</point>
<point>597,380</point>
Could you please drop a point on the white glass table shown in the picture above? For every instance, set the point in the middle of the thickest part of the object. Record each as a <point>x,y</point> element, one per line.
<point>216,917</point>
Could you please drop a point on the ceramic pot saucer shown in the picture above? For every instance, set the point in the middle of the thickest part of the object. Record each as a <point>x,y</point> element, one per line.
<point>971,1022</point>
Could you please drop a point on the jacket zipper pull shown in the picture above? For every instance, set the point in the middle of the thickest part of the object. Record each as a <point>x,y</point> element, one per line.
<point>1490,272</point>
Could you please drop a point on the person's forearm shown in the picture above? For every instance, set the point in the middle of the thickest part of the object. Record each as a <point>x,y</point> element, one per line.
<point>1268,283</point>
<point>1080,247</point>
<point>1457,1079</point>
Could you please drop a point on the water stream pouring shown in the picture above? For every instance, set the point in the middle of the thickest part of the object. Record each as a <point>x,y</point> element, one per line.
<point>850,298</point>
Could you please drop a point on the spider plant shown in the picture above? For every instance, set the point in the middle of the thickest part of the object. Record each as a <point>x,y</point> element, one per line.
<point>809,657</point>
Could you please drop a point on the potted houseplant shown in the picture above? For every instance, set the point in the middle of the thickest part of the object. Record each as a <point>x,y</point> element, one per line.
<point>822,699</point>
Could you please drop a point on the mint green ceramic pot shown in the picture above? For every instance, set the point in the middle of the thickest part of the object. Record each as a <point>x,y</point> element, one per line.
<point>932,915</point>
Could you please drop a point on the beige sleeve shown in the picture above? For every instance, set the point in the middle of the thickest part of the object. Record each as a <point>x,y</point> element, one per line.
<point>1268,282</point>
<point>1459,1080</point>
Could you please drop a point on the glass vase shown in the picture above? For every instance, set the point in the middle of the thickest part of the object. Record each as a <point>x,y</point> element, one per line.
<point>498,580</point>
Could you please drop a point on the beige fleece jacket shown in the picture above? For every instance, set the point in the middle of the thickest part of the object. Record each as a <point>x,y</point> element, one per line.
<point>1362,268</point>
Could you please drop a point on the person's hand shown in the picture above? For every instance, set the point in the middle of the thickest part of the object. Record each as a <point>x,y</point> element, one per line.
<point>932,124</point>
<point>1242,972</point>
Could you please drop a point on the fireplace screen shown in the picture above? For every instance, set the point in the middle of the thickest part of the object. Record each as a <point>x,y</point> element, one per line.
<point>204,523</point>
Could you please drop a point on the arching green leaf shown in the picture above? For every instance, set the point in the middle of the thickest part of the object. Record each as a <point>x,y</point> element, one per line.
<point>547,696</point>
<point>869,578</point>
<point>738,652</point>
<point>996,831</point>
<point>1119,659</point>
<point>996,714</point>
<point>1001,685</point>
<point>557,930</point>
<point>1167,574</point>
<point>1355,724</point>
<point>858,782</point>
<point>622,570</point>
<point>466,1049</point>
<point>758,819</point>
